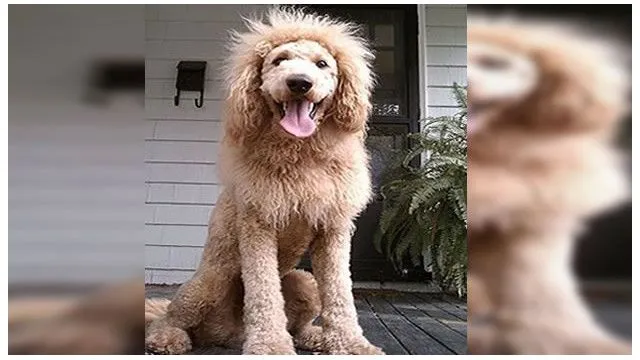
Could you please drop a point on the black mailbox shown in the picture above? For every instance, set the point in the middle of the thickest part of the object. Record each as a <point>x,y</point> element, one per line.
<point>191,77</point>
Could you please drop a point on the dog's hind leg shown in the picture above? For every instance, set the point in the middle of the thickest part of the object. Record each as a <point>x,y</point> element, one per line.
<point>302,306</point>
<point>189,308</point>
<point>197,297</point>
<point>168,334</point>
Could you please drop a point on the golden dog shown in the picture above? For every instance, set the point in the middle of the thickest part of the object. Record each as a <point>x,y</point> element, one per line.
<point>295,171</point>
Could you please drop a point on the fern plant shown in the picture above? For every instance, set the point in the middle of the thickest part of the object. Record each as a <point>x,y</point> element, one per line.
<point>424,216</point>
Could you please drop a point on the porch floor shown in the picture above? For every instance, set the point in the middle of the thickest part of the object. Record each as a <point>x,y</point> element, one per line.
<point>401,323</point>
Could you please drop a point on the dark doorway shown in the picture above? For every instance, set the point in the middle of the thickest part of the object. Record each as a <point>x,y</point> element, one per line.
<point>393,32</point>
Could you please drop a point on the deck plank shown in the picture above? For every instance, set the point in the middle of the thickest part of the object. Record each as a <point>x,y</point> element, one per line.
<point>447,319</point>
<point>462,304</point>
<point>375,331</point>
<point>443,334</point>
<point>439,302</point>
<point>414,339</point>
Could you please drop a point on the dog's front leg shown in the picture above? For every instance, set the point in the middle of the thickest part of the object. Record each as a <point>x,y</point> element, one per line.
<point>330,256</point>
<point>536,306</point>
<point>265,320</point>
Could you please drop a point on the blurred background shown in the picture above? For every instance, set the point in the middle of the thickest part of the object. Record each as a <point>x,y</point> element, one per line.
<point>603,259</point>
<point>75,181</point>
<point>76,184</point>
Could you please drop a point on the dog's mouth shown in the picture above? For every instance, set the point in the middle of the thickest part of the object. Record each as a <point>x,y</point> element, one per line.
<point>298,116</point>
<point>477,111</point>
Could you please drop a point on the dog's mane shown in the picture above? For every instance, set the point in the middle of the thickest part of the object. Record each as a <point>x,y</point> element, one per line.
<point>247,112</point>
<point>584,81</point>
<point>282,25</point>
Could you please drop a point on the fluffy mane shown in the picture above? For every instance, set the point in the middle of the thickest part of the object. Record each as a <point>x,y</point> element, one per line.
<point>246,109</point>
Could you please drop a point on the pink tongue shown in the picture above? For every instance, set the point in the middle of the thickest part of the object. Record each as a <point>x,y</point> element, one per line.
<point>296,120</point>
<point>471,124</point>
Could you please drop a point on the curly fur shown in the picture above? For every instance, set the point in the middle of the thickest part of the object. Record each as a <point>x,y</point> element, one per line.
<point>283,195</point>
<point>539,166</point>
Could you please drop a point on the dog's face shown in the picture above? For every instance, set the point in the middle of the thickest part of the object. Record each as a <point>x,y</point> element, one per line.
<point>298,81</point>
<point>297,76</point>
<point>498,78</point>
<point>539,79</point>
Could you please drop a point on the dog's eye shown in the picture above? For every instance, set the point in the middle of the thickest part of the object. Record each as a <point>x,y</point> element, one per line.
<point>492,63</point>
<point>277,61</point>
<point>322,64</point>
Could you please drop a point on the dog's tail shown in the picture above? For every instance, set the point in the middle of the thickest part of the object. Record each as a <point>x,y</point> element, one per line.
<point>154,308</point>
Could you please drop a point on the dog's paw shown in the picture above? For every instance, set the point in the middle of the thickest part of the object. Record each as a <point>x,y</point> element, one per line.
<point>65,337</point>
<point>268,344</point>
<point>609,346</point>
<point>546,340</point>
<point>344,342</point>
<point>361,347</point>
<point>562,345</point>
<point>168,341</point>
<point>481,339</point>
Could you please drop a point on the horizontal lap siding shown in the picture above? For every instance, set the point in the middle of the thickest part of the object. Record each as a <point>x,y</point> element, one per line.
<point>181,143</point>
<point>159,68</point>
<point>75,180</point>
<point>165,89</point>
<point>446,55</point>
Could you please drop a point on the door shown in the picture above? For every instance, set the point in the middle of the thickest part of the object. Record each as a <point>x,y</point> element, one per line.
<point>393,32</point>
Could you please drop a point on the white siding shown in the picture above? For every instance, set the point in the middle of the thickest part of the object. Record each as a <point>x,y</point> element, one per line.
<point>444,53</point>
<point>76,183</point>
<point>182,142</point>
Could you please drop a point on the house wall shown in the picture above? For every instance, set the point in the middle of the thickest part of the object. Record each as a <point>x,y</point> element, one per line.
<point>443,52</point>
<point>182,142</point>
<point>75,180</point>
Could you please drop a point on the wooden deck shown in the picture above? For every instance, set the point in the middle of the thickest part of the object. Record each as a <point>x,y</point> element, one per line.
<point>401,323</point>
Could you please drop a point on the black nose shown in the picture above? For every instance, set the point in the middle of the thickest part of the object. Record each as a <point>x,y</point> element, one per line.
<point>299,84</point>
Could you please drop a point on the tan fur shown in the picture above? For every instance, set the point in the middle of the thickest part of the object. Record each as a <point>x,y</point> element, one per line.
<point>105,322</point>
<point>282,195</point>
<point>539,166</point>
<point>22,310</point>
<point>154,309</point>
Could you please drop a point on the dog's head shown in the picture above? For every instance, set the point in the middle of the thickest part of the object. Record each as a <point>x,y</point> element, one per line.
<point>297,78</point>
<point>298,72</point>
<point>541,78</point>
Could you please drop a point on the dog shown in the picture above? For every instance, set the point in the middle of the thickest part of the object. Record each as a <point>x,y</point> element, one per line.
<point>544,104</point>
<point>295,172</point>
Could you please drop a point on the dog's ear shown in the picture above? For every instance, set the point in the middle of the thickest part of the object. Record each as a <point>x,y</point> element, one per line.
<point>579,94</point>
<point>246,108</point>
<point>352,104</point>
<point>263,48</point>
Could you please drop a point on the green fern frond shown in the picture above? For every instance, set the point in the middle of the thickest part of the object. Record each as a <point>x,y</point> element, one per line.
<point>460,94</point>
<point>424,215</point>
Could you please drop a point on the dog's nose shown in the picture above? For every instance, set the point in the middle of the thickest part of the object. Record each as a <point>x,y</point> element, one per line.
<point>299,84</point>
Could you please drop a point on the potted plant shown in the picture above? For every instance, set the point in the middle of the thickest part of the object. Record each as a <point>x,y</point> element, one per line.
<point>424,216</point>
